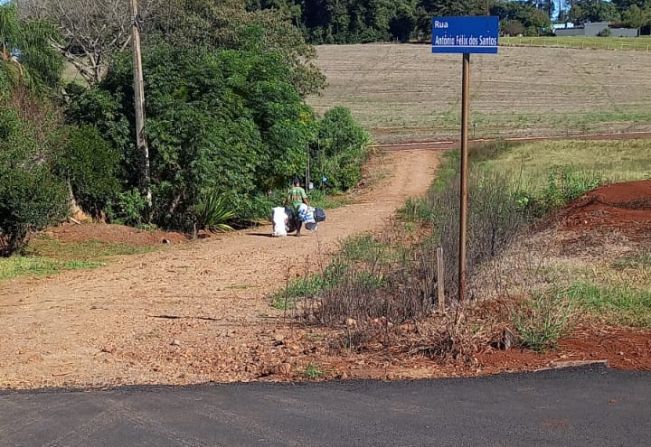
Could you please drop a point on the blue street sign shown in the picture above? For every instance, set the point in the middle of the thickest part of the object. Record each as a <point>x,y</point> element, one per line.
<point>477,34</point>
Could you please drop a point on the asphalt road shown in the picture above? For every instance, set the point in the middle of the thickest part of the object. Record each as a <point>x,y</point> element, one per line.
<point>585,407</point>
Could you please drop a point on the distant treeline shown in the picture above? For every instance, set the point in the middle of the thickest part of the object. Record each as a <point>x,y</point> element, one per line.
<point>360,21</point>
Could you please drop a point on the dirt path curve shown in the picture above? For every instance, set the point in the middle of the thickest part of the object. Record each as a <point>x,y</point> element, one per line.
<point>104,326</point>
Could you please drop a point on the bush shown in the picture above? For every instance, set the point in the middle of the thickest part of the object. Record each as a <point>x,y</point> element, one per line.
<point>90,165</point>
<point>127,208</point>
<point>224,122</point>
<point>341,149</point>
<point>212,213</point>
<point>496,216</point>
<point>541,321</point>
<point>512,28</point>
<point>562,187</point>
<point>31,198</point>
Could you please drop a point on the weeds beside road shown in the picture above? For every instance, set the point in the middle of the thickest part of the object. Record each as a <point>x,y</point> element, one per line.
<point>380,285</point>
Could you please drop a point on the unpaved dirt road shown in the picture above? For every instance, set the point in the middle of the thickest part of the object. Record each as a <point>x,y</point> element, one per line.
<point>184,315</point>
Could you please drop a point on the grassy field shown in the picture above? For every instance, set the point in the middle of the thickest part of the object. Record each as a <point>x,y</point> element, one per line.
<point>614,287</point>
<point>403,92</point>
<point>578,42</point>
<point>611,161</point>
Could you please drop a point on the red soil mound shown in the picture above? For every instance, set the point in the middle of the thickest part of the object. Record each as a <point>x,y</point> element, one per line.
<point>625,207</point>
<point>622,348</point>
<point>113,234</point>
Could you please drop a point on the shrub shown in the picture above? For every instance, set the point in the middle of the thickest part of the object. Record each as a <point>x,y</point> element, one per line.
<point>541,321</point>
<point>127,208</point>
<point>212,213</point>
<point>512,28</point>
<point>221,122</point>
<point>90,165</point>
<point>340,150</point>
<point>31,198</point>
<point>496,216</point>
<point>562,187</point>
<point>228,122</point>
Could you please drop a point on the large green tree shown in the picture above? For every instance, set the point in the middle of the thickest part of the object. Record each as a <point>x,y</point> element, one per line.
<point>227,24</point>
<point>26,54</point>
<point>583,11</point>
<point>521,18</point>
<point>220,122</point>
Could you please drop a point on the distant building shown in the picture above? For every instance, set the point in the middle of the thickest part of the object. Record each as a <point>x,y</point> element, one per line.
<point>592,29</point>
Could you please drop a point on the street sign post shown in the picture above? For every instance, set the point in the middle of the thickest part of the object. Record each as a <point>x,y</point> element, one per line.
<point>464,35</point>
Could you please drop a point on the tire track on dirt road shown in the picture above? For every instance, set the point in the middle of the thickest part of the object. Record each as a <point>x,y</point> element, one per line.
<point>98,327</point>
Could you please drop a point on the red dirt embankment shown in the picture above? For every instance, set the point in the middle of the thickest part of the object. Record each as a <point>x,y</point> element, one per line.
<point>116,234</point>
<point>622,207</point>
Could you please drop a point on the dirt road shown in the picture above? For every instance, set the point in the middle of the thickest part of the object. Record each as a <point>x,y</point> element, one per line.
<point>184,315</point>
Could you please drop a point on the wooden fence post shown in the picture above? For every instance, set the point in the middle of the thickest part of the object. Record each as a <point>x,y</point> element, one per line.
<point>440,275</point>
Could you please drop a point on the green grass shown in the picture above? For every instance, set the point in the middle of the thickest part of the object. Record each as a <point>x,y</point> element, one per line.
<point>46,256</point>
<point>302,287</point>
<point>85,250</point>
<point>532,163</point>
<point>620,304</point>
<point>361,250</point>
<point>496,122</point>
<point>542,321</point>
<point>313,371</point>
<point>328,201</point>
<point>37,266</point>
<point>600,43</point>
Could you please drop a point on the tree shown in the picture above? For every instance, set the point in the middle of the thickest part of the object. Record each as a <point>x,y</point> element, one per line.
<point>218,122</point>
<point>512,28</point>
<point>26,56</point>
<point>93,31</point>
<point>635,17</point>
<point>623,5</point>
<point>402,25</point>
<point>31,196</point>
<point>228,24</point>
<point>547,6</point>
<point>593,11</point>
<point>520,18</point>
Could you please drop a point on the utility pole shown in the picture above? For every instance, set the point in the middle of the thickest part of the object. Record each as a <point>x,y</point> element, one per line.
<point>139,102</point>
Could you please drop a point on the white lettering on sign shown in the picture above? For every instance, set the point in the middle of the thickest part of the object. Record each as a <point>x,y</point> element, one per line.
<point>487,41</point>
<point>444,41</point>
<point>465,41</point>
<point>441,25</point>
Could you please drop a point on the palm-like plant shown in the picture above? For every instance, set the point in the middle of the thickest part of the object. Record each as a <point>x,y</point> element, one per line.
<point>26,52</point>
<point>213,214</point>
